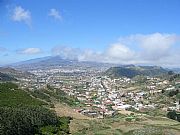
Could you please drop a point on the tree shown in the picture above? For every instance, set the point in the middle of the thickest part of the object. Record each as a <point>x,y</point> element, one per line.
<point>162,91</point>
<point>170,73</point>
<point>172,115</point>
<point>178,96</point>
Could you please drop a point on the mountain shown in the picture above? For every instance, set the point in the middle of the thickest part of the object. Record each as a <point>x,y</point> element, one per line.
<point>132,71</point>
<point>31,61</point>
<point>53,61</point>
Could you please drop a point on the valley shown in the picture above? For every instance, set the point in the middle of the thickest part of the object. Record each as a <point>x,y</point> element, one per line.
<point>101,100</point>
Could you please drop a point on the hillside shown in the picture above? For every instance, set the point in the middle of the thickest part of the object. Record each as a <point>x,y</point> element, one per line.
<point>52,95</point>
<point>14,73</point>
<point>22,114</point>
<point>6,77</point>
<point>11,96</point>
<point>126,125</point>
<point>132,71</point>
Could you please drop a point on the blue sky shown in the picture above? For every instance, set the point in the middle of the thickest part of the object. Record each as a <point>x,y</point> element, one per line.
<point>115,31</point>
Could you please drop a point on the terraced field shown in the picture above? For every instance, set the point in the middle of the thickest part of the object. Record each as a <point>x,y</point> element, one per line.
<point>139,125</point>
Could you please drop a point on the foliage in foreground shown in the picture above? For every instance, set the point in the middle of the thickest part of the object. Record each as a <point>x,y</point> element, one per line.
<point>30,121</point>
<point>21,114</point>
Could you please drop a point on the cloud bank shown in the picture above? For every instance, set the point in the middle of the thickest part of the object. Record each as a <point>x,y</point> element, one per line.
<point>151,49</point>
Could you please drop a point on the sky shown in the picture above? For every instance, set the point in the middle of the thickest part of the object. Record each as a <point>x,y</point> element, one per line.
<point>143,32</point>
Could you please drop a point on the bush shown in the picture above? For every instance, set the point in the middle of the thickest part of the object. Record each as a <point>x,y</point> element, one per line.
<point>173,115</point>
<point>128,119</point>
<point>48,130</point>
<point>137,119</point>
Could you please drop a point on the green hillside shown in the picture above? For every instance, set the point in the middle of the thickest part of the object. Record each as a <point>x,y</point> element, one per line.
<point>51,94</point>
<point>11,96</point>
<point>22,114</point>
<point>132,71</point>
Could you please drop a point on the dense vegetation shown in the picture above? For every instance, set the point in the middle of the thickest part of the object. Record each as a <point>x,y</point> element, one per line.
<point>40,94</point>
<point>21,114</point>
<point>174,77</point>
<point>11,96</point>
<point>64,98</point>
<point>31,120</point>
<point>132,71</point>
<point>174,115</point>
<point>52,95</point>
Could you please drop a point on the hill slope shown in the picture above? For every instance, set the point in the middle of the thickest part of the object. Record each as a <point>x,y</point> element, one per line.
<point>132,71</point>
<point>52,61</point>
<point>21,114</point>
<point>11,96</point>
<point>14,73</point>
<point>6,77</point>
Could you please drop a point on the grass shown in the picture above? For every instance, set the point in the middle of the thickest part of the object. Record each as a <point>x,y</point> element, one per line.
<point>64,110</point>
<point>146,131</point>
<point>119,126</point>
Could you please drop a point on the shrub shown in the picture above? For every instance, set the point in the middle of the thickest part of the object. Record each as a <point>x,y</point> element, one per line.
<point>128,119</point>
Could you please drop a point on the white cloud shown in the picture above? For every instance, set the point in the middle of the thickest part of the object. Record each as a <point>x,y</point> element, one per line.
<point>90,55</point>
<point>153,46</point>
<point>66,52</point>
<point>21,15</point>
<point>119,51</point>
<point>29,51</point>
<point>115,53</point>
<point>55,14</point>
<point>152,49</point>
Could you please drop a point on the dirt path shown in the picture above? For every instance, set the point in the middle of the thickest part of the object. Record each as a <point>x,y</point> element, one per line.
<point>63,110</point>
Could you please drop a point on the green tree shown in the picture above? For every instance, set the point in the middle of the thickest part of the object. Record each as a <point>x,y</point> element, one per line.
<point>172,115</point>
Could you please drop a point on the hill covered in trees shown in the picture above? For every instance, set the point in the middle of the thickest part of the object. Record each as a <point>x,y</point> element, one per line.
<point>21,114</point>
<point>132,71</point>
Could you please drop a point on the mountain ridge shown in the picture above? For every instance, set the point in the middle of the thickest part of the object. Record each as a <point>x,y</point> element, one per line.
<point>132,71</point>
<point>50,61</point>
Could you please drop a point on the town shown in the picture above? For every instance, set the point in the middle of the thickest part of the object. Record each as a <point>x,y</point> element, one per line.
<point>100,96</point>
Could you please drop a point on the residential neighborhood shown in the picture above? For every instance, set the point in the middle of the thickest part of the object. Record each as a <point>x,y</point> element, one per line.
<point>99,95</point>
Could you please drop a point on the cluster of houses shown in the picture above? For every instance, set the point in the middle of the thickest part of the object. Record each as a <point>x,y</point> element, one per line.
<point>102,96</point>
